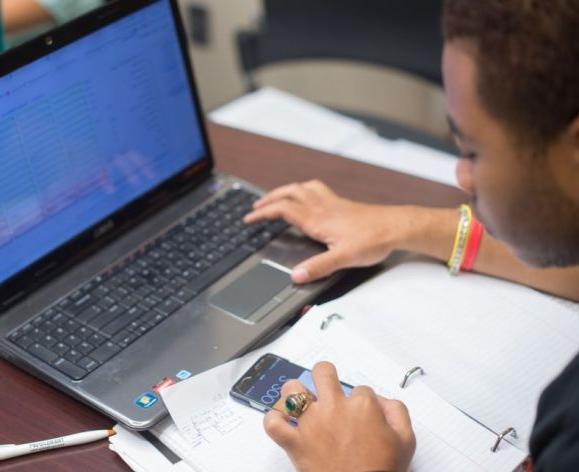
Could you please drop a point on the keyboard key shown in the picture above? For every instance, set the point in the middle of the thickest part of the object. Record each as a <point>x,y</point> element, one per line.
<point>113,313</point>
<point>24,341</point>
<point>36,334</point>
<point>77,307</point>
<point>47,326</point>
<point>83,332</point>
<point>124,338</point>
<point>157,318</point>
<point>42,353</point>
<point>38,320</point>
<point>105,352</point>
<point>106,303</point>
<point>60,348</point>
<point>59,319</point>
<point>149,302</point>
<point>88,314</point>
<point>48,340</point>
<point>26,328</point>
<point>73,355</point>
<point>115,326</point>
<point>15,335</point>
<point>71,325</point>
<point>59,333</point>
<point>85,347</point>
<point>96,339</point>
<point>144,328</point>
<point>129,301</point>
<point>72,340</point>
<point>69,369</point>
<point>88,364</point>
<point>184,296</point>
<point>169,306</point>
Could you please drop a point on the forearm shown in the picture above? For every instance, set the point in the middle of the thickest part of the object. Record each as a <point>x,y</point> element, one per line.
<point>21,14</point>
<point>432,231</point>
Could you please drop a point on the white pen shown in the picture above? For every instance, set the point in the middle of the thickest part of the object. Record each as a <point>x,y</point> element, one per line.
<point>9,451</point>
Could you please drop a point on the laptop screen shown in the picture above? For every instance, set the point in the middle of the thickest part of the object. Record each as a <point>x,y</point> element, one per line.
<point>90,128</point>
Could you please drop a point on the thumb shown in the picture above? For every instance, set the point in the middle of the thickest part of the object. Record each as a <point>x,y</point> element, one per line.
<point>319,266</point>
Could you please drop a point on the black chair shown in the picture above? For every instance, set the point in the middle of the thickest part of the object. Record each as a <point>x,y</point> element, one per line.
<point>398,34</point>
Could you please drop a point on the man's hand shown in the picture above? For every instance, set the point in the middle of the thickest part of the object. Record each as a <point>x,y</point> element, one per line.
<point>356,234</point>
<point>362,433</point>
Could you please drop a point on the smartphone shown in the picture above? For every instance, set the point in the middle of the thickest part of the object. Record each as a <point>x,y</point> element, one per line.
<point>260,387</point>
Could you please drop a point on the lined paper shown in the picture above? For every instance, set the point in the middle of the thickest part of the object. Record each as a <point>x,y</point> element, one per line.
<point>489,347</point>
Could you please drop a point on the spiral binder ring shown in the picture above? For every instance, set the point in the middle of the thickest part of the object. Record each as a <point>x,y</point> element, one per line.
<point>328,321</point>
<point>409,374</point>
<point>507,432</point>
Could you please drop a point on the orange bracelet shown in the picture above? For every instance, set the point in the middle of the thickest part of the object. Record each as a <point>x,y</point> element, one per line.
<point>472,245</point>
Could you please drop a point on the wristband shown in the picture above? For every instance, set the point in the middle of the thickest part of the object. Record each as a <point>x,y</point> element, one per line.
<point>473,245</point>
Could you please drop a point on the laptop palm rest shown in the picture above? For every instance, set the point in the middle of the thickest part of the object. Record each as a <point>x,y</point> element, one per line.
<point>255,293</point>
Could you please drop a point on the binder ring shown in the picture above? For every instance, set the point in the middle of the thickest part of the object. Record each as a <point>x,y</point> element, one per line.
<point>328,321</point>
<point>507,432</point>
<point>409,374</point>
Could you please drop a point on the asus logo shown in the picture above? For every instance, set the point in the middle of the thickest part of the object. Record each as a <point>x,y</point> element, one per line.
<point>104,228</point>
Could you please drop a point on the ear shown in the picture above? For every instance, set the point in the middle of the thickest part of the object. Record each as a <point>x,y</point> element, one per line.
<point>564,161</point>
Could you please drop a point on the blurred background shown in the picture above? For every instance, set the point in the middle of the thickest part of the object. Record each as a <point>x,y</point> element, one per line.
<point>375,60</point>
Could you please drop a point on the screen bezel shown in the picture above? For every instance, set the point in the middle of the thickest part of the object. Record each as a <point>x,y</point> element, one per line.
<point>255,371</point>
<point>80,247</point>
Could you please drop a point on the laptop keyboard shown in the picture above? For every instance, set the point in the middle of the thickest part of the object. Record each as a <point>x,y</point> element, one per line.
<point>107,314</point>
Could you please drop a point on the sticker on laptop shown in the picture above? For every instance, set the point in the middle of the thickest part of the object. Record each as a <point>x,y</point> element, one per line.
<point>166,382</point>
<point>183,374</point>
<point>146,400</point>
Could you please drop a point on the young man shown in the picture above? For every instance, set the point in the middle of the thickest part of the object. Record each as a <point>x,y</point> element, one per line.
<point>511,70</point>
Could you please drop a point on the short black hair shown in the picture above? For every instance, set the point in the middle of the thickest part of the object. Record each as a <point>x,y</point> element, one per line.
<point>527,56</point>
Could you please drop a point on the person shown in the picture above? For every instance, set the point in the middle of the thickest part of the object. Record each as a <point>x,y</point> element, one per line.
<point>511,69</point>
<point>24,19</point>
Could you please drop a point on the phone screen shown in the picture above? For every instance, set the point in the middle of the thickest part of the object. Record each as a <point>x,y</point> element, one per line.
<point>263,382</point>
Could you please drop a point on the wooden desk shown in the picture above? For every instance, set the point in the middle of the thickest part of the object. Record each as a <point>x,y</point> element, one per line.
<point>30,410</point>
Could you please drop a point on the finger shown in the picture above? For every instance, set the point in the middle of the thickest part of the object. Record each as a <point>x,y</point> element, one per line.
<point>285,209</point>
<point>278,428</point>
<point>292,386</point>
<point>328,386</point>
<point>363,391</point>
<point>317,186</point>
<point>397,417</point>
<point>319,266</point>
<point>291,191</point>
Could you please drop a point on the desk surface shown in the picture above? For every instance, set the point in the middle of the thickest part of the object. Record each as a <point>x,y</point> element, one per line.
<point>31,410</point>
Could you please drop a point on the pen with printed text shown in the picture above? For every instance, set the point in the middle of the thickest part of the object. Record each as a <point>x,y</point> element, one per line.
<point>15,450</point>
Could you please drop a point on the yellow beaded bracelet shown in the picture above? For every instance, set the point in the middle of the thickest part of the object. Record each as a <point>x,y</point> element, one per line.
<point>461,238</point>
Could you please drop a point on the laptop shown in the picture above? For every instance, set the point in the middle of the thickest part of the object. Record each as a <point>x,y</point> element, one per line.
<point>125,265</point>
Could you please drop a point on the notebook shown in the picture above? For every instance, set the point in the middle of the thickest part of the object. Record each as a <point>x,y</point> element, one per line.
<point>217,433</point>
<point>487,346</point>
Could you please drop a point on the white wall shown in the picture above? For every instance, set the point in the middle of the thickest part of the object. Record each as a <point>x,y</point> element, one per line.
<point>360,88</point>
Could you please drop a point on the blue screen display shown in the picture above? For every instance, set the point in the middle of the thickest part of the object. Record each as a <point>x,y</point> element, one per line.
<point>88,129</point>
<point>267,387</point>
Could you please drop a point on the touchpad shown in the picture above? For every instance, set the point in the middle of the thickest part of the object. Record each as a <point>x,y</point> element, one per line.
<point>254,290</point>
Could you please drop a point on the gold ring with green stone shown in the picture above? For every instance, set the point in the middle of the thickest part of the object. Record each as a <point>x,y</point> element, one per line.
<point>297,403</point>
